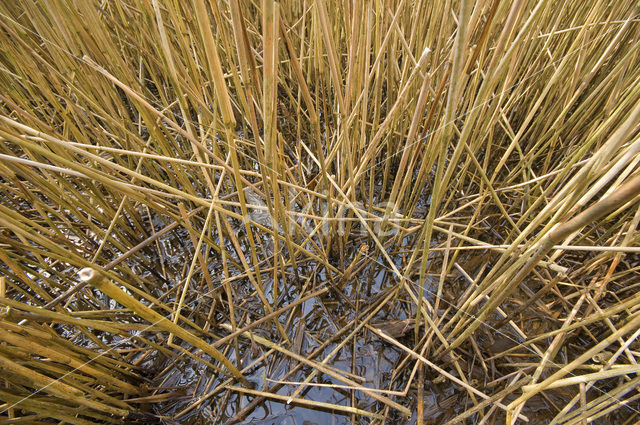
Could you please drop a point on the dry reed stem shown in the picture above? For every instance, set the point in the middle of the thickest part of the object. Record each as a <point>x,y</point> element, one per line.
<point>321,168</point>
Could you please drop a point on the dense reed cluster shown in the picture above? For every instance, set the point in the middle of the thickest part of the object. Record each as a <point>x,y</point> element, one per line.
<point>319,211</point>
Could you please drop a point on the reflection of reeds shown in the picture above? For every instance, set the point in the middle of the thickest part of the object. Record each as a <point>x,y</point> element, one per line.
<point>285,186</point>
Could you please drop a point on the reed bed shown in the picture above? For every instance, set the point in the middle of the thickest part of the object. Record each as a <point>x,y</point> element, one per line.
<point>326,211</point>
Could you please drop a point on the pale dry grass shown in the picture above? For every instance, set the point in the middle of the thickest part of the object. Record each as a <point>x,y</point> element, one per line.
<point>294,151</point>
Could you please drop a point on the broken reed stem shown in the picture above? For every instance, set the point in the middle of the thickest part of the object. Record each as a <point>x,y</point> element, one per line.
<point>621,196</point>
<point>487,122</point>
<point>435,367</point>
<point>320,367</point>
<point>308,403</point>
<point>94,278</point>
<point>74,289</point>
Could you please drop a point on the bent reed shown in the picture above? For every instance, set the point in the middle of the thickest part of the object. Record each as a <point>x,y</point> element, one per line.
<point>349,211</point>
